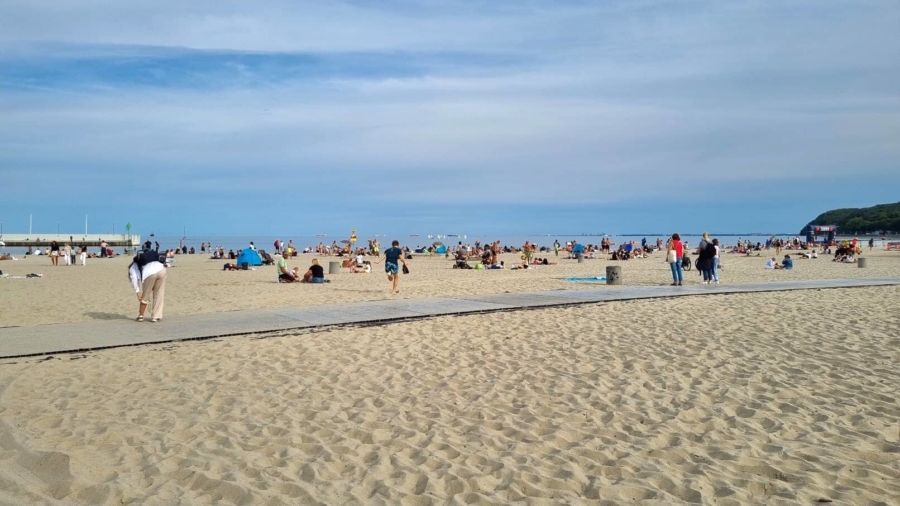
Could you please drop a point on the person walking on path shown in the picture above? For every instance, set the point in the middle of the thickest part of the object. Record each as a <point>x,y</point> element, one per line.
<point>67,251</point>
<point>153,284</point>
<point>674,254</point>
<point>391,257</point>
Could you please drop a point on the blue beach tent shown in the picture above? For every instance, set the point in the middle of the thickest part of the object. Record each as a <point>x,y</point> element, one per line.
<point>250,256</point>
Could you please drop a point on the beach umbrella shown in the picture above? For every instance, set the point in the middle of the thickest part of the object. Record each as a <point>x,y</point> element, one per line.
<point>437,243</point>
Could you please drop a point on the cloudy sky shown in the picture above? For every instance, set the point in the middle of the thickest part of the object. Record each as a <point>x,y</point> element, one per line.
<point>236,117</point>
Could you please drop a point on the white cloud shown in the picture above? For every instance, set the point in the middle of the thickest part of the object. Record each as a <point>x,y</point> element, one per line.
<point>600,101</point>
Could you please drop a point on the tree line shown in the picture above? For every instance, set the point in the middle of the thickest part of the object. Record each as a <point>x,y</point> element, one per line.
<point>883,218</point>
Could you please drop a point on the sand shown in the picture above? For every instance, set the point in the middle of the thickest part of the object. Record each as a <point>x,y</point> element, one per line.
<point>774,398</point>
<point>101,289</point>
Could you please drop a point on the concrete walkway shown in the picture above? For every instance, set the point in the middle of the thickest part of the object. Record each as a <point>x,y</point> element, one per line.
<point>78,337</point>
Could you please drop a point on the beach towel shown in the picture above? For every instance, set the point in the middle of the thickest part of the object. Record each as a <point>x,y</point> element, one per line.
<point>590,279</point>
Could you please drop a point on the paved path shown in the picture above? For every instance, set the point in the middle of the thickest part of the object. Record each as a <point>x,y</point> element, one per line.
<point>75,337</point>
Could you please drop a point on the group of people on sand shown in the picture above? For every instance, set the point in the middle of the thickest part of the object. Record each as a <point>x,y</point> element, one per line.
<point>786,264</point>
<point>314,274</point>
<point>69,254</point>
<point>708,256</point>
<point>392,257</point>
<point>373,248</point>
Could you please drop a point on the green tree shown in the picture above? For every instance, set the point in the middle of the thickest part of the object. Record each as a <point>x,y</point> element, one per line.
<point>856,225</point>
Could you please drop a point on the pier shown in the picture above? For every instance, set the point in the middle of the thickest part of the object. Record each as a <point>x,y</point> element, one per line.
<point>44,240</point>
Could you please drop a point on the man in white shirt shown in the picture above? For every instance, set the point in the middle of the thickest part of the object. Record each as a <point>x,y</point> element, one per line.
<point>770,264</point>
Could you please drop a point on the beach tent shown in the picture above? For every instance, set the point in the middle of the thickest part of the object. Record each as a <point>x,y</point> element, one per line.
<point>440,250</point>
<point>250,256</point>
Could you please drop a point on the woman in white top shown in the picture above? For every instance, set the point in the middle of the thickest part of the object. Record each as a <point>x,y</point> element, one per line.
<point>715,265</point>
<point>153,283</point>
<point>134,275</point>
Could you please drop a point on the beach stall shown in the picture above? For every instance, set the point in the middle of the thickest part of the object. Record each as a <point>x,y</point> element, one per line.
<point>814,231</point>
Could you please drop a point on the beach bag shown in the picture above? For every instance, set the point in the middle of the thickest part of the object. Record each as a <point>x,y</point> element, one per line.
<point>670,257</point>
<point>405,269</point>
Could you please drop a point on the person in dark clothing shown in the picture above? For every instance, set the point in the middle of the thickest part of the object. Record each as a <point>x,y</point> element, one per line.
<point>392,259</point>
<point>315,274</point>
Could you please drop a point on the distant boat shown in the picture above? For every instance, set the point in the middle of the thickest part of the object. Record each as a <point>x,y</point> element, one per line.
<point>321,235</point>
<point>414,235</point>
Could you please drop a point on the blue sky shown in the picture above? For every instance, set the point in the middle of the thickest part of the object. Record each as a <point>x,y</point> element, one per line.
<point>284,117</point>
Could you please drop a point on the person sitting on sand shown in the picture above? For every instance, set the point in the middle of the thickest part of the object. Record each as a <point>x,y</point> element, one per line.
<point>365,268</point>
<point>786,264</point>
<point>285,275</point>
<point>771,263</point>
<point>315,274</point>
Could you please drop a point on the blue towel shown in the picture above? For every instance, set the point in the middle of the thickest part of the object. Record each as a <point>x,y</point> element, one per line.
<point>595,278</point>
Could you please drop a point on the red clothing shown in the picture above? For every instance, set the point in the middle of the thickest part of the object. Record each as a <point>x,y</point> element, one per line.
<point>679,248</point>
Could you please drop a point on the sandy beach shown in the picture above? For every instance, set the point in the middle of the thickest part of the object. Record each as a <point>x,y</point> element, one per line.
<point>101,291</point>
<point>771,398</point>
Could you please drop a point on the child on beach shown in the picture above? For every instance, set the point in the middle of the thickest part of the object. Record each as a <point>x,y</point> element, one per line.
<point>390,258</point>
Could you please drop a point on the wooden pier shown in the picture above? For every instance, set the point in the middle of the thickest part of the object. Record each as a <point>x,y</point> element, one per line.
<point>44,240</point>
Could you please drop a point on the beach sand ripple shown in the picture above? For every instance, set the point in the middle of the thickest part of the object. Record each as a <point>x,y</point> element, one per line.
<point>775,398</point>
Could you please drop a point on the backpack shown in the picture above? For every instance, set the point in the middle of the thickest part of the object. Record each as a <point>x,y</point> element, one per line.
<point>710,250</point>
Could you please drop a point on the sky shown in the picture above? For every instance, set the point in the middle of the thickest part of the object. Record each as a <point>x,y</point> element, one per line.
<point>283,117</point>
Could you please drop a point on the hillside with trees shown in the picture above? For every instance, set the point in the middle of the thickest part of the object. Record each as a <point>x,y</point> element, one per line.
<point>867,220</point>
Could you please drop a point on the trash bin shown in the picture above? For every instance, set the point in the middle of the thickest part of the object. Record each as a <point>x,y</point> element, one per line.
<point>580,258</point>
<point>613,275</point>
<point>861,262</point>
<point>334,267</point>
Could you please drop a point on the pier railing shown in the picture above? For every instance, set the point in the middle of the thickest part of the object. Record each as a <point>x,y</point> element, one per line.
<point>42,240</point>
